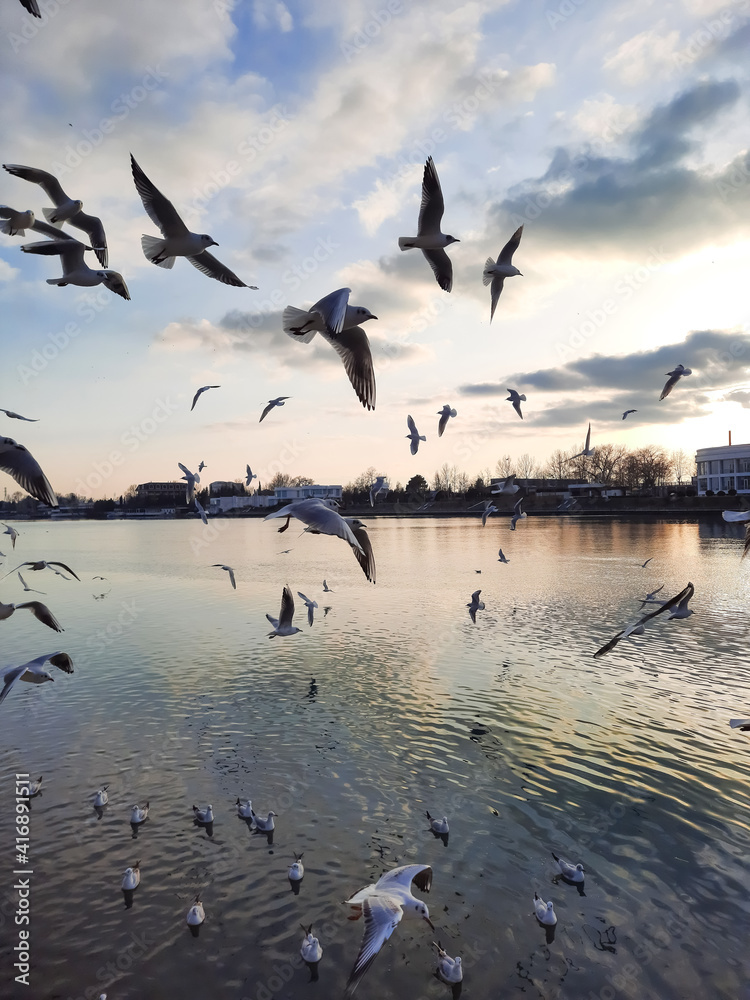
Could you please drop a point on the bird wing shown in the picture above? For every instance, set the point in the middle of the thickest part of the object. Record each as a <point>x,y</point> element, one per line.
<point>160,210</point>
<point>10,677</point>
<point>332,309</point>
<point>670,384</point>
<point>443,422</point>
<point>92,225</point>
<point>43,614</point>
<point>366,558</point>
<point>517,506</point>
<point>268,409</point>
<point>69,251</point>
<point>48,182</point>
<point>497,286</point>
<point>207,263</point>
<point>432,207</point>
<point>588,439</point>
<point>47,229</point>
<point>29,420</point>
<point>687,593</point>
<point>321,518</point>
<point>19,463</point>
<point>353,347</point>
<point>420,875</point>
<point>411,425</point>
<point>517,407</point>
<point>197,396</point>
<point>382,914</point>
<point>116,283</point>
<point>287,608</point>
<point>66,568</point>
<point>441,266</point>
<point>506,254</point>
<point>231,576</point>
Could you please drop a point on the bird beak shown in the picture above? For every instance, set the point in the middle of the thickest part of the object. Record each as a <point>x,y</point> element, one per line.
<point>214,244</point>
<point>429,922</point>
<point>520,274</point>
<point>373,317</point>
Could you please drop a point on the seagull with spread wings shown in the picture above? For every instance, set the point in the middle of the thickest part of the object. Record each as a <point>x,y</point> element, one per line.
<point>516,400</point>
<point>35,566</point>
<point>587,451</point>
<point>674,377</point>
<point>429,239</point>
<point>228,569</point>
<point>283,624</point>
<point>75,269</point>
<point>177,240</point>
<point>679,602</point>
<point>279,401</point>
<point>414,436</point>
<point>17,416</point>
<point>40,611</point>
<point>445,414</point>
<point>19,463</point>
<point>197,396</point>
<point>33,672</point>
<point>495,272</point>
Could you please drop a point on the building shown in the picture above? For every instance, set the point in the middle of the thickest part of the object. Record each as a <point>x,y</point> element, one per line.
<point>257,500</point>
<point>221,488</point>
<point>723,468</point>
<point>166,494</point>
<point>289,493</point>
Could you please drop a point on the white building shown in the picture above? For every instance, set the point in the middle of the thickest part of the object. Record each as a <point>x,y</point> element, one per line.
<point>303,492</point>
<point>238,503</point>
<point>726,467</point>
<point>281,494</point>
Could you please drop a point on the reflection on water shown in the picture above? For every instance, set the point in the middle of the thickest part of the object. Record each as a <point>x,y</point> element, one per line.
<point>391,704</point>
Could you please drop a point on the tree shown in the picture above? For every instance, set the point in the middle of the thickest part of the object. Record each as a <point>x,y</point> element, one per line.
<point>446,478</point>
<point>301,481</point>
<point>504,466</point>
<point>558,465</point>
<point>606,463</point>
<point>417,484</point>
<point>525,466</point>
<point>682,465</point>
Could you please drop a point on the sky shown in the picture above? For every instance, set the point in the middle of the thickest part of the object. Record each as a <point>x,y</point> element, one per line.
<point>295,134</point>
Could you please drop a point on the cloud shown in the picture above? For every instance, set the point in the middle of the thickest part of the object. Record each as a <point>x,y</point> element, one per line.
<point>272,14</point>
<point>645,56</point>
<point>741,396</point>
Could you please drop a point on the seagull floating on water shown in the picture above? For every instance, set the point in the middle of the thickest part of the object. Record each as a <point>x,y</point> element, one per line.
<point>495,272</point>
<point>572,873</point>
<point>244,808</point>
<point>310,951</point>
<point>198,394</point>
<point>429,239</point>
<point>674,377</point>
<point>101,798</point>
<point>449,969</point>
<point>196,914</point>
<point>34,788</point>
<point>138,815</point>
<point>297,870</point>
<point>445,414</point>
<point>264,825</point>
<point>204,816</point>
<point>545,912</point>
<point>439,825</point>
<point>414,436</point>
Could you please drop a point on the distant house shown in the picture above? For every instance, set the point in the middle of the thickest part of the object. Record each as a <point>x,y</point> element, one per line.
<point>161,494</point>
<point>221,488</point>
<point>303,492</point>
<point>724,467</point>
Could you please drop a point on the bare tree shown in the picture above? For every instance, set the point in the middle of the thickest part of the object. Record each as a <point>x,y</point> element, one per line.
<point>446,478</point>
<point>504,466</point>
<point>525,466</point>
<point>683,465</point>
<point>558,465</point>
<point>606,462</point>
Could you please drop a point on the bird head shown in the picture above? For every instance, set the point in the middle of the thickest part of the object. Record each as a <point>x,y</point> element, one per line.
<point>364,314</point>
<point>205,238</point>
<point>422,912</point>
<point>514,272</point>
<point>79,204</point>
<point>451,239</point>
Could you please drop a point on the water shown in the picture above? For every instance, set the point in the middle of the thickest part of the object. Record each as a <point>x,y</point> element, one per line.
<point>509,727</point>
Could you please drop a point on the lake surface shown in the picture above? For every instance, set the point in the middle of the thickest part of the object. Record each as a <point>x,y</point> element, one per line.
<point>509,727</point>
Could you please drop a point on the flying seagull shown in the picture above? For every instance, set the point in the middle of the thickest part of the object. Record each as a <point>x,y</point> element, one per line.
<point>627,412</point>
<point>66,209</point>
<point>340,325</point>
<point>488,508</point>
<point>15,223</point>
<point>17,416</point>
<point>37,565</point>
<point>379,486</point>
<point>229,570</point>
<point>191,479</point>
<point>32,7</point>
<point>10,531</point>
<point>674,377</point>
<point>310,605</point>
<point>178,241</point>
<point>201,511</point>
<point>414,436</point>
<point>516,400</point>
<point>518,514</point>
<point>475,605</point>
<point>33,672</point>
<point>586,450</point>
<point>196,397</point>
<point>27,588</point>
<point>75,270</point>
<point>502,558</point>
<point>497,272</point>
<point>429,238</point>
<point>19,463</point>
<point>40,611</point>
<point>383,905</point>
<point>740,515</point>
<point>366,559</point>
<point>680,601</point>
<point>644,565</point>
<point>445,414</point>
<point>279,401</point>
<point>507,487</point>
<point>250,475</point>
<point>321,519</point>
<point>283,624</point>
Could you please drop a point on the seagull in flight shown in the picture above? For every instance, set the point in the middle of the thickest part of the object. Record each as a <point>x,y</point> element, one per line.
<point>15,223</point>
<point>310,605</point>
<point>384,904</point>
<point>488,508</point>
<point>679,602</point>
<point>475,605</point>
<point>229,570</point>
<point>322,519</point>
<point>366,559</point>
<point>10,531</point>
<point>340,325</point>
<point>516,400</point>
<point>19,463</point>
<point>33,672</point>
<point>197,396</point>
<point>740,515</point>
<point>379,486</point>
<point>17,416</point>
<point>587,451</point>
<point>283,624</point>
<point>445,414</point>
<point>502,558</point>
<point>250,475</point>
<point>75,270</point>
<point>495,272</point>
<point>40,611</point>
<point>644,565</point>
<point>32,7</point>
<point>627,412</point>
<point>201,510</point>
<point>518,514</point>
<point>414,436</point>
<point>66,209</point>
<point>191,479</point>
<point>36,566</point>
<point>177,240</point>
<point>279,401</point>
<point>429,239</point>
<point>674,377</point>
<point>326,589</point>
<point>507,487</point>
<point>28,589</point>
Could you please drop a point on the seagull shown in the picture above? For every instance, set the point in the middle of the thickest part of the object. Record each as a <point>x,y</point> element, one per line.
<point>429,239</point>
<point>545,913</point>
<point>202,389</point>
<point>15,223</point>
<point>366,558</point>
<point>439,825</point>
<point>383,905</point>
<point>201,511</point>
<point>229,570</point>
<point>674,377</point>
<point>742,724</point>
<point>502,558</point>
<point>339,324</point>
<point>327,589</point>
<point>19,463</point>
<point>202,466</point>
<point>518,514</point>
<point>283,624</point>
<point>178,241</point>
<point>740,515</point>
<point>10,531</point>
<point>414,435</point>
<point>310,605</point>
<point>66,209</point>
<point>101,798</point>
<point>138,815</point>
<point>279,401</point>
<point>17,416</point>
<point>297,870</point>
<point>516,400</point>
<point>586,450</point>
<point>204,816</point>
<point>649,598</point>
<point>379,486</point>
<point>191,479</point>
<point>508,487</point>
<point>680,601</point>
<point>244,808</point>
<point>196,914</point>
<point>496,272</point>
<point>33,8</point>
<point>571,873</point>
<point>75,270</point>
<point>449,969</point>
<point>475,605</point>
<point>445,414</point>
<point>310,951</point>
<point>41,564</point>
<point>644,565</point>
<point>250,475</point>
<point>488,508</point>
<point>627,412</point>
<point>321,518</point>
<point>264,825</point>
<point>40,611</point>
<point>132,877</point>
<point>34,788</point>
<point>27,588</point>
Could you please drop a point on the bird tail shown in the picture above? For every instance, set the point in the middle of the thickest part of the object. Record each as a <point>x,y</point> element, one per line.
<point>487,274</point>
<point>6,226</point>
<point>405,243</point>
<point>153,248</point>
<point>57,281</point>
<point>294,319</point>
<point>50,214</point>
